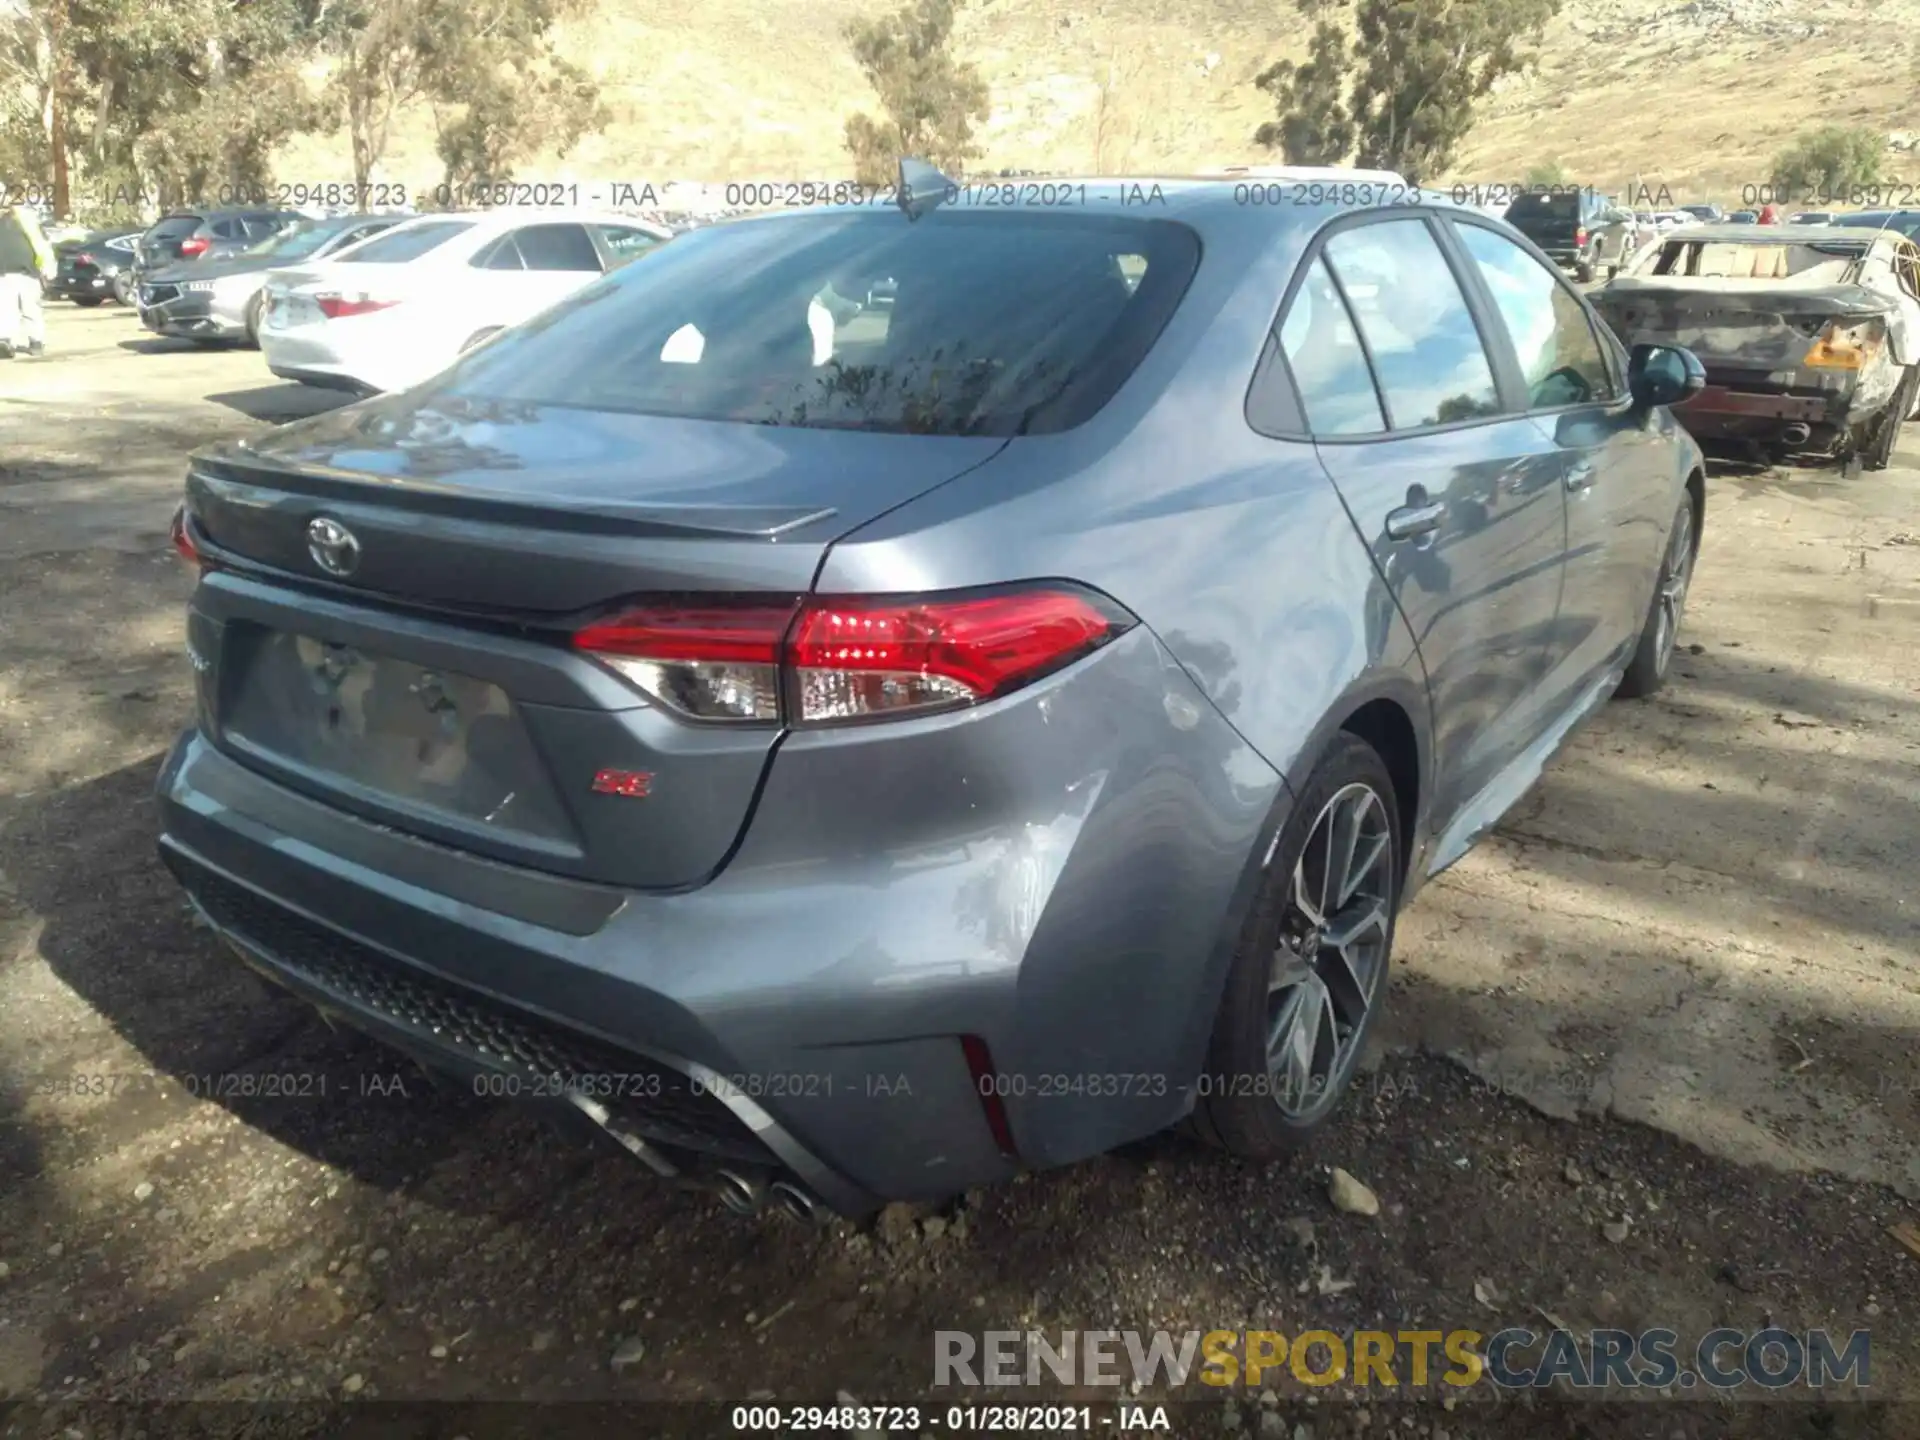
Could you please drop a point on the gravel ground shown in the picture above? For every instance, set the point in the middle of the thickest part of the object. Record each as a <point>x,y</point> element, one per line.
<point>1652,1061</point>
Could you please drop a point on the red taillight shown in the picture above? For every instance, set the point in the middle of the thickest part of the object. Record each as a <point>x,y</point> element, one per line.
<point>989,1086</point>
<point>339,307</point>
<point>83,258</point>
<point>1580,238</point>
<point>196,245</point>
<point>828,659</point>
<point>183,542</point>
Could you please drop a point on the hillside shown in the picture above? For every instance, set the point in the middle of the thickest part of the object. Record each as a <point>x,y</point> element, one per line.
<point>1696,95</point>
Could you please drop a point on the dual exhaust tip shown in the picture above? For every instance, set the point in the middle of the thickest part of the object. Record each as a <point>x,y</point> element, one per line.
<point>747,1194</point>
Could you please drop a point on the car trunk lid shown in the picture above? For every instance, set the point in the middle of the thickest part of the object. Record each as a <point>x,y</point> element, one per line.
<point>432,687</point>
<point>1744,325</point>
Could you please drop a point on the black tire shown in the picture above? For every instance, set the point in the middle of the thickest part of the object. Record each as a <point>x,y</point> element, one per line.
<point>123,289</point>
<point>87,302</point>
<point>1660,636</point>
<point>1583,271</point>
<point>480,337</point>
<point>1877,453</point>
<point>255,308</point>
<point>1247,1105</point>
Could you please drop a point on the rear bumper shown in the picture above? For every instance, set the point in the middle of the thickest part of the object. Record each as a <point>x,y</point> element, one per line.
<point>69,287</point>
<point>1074,911</point>
<point>1826,405</point>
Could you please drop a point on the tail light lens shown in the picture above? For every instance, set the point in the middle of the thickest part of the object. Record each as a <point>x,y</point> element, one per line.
<point>1846,347</point>
<point>83,258</point>
<point>183,545</point>
<point>825,660</point>
<point>339,307</point>
<point>194,246</point>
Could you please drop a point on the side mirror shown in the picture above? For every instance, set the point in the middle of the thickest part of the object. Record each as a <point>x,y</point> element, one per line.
<point>1664,375</point>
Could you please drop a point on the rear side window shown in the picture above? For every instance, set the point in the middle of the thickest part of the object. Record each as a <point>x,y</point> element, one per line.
<point>502,254</point>
<point>557,247</point>
<point>406,242</point>
<point>1426,349</point>
<point>993,323</point>
<point>1560,357</point>
<point>1329,367</point>
<point>231,229</point>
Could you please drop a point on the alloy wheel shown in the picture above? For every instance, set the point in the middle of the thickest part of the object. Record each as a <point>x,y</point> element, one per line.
<point>1332,952</point>
<point>1675,575</point>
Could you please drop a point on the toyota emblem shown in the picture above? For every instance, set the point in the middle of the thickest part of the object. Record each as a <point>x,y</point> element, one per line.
<point>333,547</point>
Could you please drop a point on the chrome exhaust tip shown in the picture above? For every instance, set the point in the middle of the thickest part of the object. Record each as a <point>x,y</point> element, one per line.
<point>796,1202</point>
<point>741,1194</point>
<point>1796,433</point>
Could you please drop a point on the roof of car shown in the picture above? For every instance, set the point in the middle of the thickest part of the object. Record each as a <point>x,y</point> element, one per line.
<point>500,216</point>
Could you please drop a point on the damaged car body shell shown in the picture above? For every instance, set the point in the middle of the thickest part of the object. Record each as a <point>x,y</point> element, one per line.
<point>1806,332</point>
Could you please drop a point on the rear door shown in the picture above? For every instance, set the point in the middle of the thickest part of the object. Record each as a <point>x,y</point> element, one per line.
<point>1616,471</point>
<point>1459,498</point>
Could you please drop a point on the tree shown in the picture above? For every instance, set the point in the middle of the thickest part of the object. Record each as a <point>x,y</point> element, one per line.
<point>931,102</point>
<point>1828,162</point>
<point>1315,127</point>
<point>1547,174</point>
<point>1393,83</point>
<point>499,88</point>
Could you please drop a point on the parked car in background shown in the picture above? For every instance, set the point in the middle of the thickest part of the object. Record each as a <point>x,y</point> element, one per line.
<point>1810,334</point>
<point>1062,678</point>
<point>221,299</point>
<point>1811,217</point>
<point>1743,217</point>
<point>1707,213</point>
<point>405,304</point>
<point>90,270</point>
<point>202,234</point>
<point>1581,231</point>
<point>1901,222</point>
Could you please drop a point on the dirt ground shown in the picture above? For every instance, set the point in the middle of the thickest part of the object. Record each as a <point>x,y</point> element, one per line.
<point>1652,1062</point>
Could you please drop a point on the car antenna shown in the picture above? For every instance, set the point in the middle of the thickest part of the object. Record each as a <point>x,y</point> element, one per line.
<point>922,188</point>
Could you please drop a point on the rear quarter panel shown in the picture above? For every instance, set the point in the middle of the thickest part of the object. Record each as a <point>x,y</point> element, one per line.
<point>1236,551</point>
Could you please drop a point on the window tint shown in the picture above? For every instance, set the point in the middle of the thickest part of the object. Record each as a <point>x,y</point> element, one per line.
<point>174,227</point>
<point>773,323</point>
<point>1329,367</point>
<point>406,242</point>
<point>228,229</point>
<point>1560,357</point>
<point>627,243</point>
<point>1426,349</point>
<point>557,247</point>
<point>502,254</point>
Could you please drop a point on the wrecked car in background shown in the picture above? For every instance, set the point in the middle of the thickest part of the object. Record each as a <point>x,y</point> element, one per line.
<point>1810,334</point>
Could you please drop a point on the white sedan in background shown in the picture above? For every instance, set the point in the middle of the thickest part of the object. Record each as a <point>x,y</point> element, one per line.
<point>392,311</point>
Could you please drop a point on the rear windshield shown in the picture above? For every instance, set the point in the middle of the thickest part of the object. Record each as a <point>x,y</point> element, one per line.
<point>174,227</point>
<point>403,243</point>
<point>960,323</point>
<point>1737,260</point>
<point>1527,207</point>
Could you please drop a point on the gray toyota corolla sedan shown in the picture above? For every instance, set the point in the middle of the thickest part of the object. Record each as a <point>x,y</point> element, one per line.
<point>847,752</point>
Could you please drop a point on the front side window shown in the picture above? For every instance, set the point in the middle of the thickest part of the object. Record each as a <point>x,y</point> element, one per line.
<point>1560,357</point>
<point>994,323</point>
<point>1426,349</point>
<point>627,243</point>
